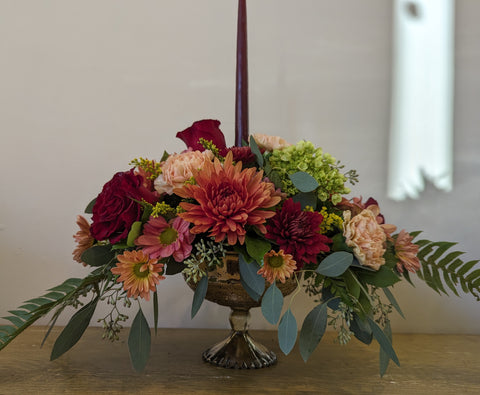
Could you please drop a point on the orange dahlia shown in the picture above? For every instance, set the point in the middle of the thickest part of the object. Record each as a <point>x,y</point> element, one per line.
<point>277,266</point>
<point>138,272</point>
<point>229,199</point>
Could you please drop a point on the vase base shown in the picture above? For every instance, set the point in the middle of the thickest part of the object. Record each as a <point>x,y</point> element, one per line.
<point>239,351</point>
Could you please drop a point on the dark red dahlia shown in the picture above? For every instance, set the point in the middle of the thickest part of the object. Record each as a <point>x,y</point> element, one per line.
<point>240,154</point>
<point>297,232</point>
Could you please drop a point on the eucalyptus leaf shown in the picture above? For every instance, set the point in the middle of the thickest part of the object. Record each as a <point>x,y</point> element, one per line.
<point>287,332</point>
<point>199,295</point>
<point>304,182</point>
<point>361,329</point>
<point>252,282</point>
<point>139,340</point>
<point>384,358</point>
<point>74,330</point>
<point>393,301</point>
<point>312,330</point>
<point>335,264</point>
<point>383,340</point>
<point>272,303</point>
<point>155,311</point>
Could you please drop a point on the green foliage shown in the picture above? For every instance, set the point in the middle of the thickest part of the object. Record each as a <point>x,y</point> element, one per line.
<point>312,331</point>
<point>36,308</point>
<point>335,264</point>
<point>199,295</point>
<point>287,332</point>
<point>252,282</point>
<point>384,357</point>
<point>272,303</point>
<point>384,277</point>
<point>89,208</point>
<point>383,340</point>
<point>442,269</point>
<point>256,151</point>
<point>74,330</point>
<point>139,340</point>
<point>306,199</point>
<point>135,231</point>
<point>98,255</point>
<point>257,248</point>
<point>304,182</point>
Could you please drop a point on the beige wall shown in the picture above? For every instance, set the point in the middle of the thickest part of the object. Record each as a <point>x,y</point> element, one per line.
<point>85,86</point>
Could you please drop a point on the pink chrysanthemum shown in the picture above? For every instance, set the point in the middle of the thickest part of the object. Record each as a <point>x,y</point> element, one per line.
<point>277,266</point>
<point>83,238</point>
<point>161,239</point>
<point>139,273</point>
<point>229,199</point>
<point>297,232</point>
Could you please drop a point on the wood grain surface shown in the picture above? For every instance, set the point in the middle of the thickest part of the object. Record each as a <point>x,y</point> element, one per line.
<point>430,364</point>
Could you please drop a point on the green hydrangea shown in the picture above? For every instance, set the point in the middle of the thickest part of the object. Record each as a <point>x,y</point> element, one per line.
<point>322,166</point>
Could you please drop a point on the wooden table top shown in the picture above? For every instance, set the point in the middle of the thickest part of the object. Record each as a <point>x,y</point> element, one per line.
<point>433,364</point>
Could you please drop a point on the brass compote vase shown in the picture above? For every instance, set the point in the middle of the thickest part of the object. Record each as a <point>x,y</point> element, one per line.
<point>239,350</point>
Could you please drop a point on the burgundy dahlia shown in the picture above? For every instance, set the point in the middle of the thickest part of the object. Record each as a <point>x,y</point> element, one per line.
<point>297,232</point>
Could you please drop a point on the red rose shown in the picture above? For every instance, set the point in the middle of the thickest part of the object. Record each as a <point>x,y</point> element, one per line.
<point>207,129</point>
<point>115,210</point>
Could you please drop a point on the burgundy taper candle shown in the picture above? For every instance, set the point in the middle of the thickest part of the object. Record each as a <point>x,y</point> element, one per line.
<point>241,91</point>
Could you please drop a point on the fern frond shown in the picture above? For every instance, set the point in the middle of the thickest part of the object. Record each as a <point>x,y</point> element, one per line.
<point>36,308</point>
<point>442,269</point>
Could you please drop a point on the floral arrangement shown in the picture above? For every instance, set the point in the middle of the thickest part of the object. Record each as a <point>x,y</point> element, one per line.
<point>281,207</point>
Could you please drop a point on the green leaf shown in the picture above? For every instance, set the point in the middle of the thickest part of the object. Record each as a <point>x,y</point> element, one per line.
<point>199,295</point>
<point>257,248</point>
<point>335,264</point>
<point>72,333</point>
<point>384,277</point>
<point>339,243</point>
<point>164,156</point>
<point>352,284</point>
<point>252,282</point>
<point>89,208</point>
<point>98,255</point>
<point>383,340</point>
<point>304,182</point>
<point>272,303</point>
<point>361,329</point>
<point>287,332</point>
<point>312,330</point>
<point>393,301</point>
<point>384,358</point>
<point>139,340</point>
<point>39,301</point>
<point>306,199</point>
<point>256,151</point>
<point>174,267</point>
<point>155,310</point>
<point>135,231</point>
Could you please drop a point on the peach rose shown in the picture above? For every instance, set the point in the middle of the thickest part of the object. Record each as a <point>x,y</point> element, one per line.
<point>269,142</point>
<point>178,168</point>
<point>366,237</point>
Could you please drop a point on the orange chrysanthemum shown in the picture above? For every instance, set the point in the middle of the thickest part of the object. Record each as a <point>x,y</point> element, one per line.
<point>277,266</point>
<point>138,272</point>
<point>229,199</point>
<point>83,238</point>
